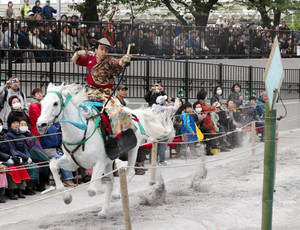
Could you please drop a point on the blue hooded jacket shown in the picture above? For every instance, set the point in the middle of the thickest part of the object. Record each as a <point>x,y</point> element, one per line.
<point>188,126</point>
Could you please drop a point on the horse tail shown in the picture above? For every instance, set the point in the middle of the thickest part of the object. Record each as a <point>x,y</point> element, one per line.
<point>156,125</point>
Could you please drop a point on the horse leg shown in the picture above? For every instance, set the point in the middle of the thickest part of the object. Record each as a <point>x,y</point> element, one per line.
<point>55,165</point>
<point>109,188</point>
<point>98,170</point>
<point>130,172</point>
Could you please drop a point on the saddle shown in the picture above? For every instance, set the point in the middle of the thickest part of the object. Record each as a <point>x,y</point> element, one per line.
<point>116,146</point>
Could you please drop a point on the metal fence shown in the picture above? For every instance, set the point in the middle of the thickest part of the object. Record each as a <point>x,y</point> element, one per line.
<point>142,73</point>
<point>156,40</point>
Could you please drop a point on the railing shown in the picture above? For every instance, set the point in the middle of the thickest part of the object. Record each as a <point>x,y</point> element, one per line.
<point>143,72</point>
<point>180,42</point>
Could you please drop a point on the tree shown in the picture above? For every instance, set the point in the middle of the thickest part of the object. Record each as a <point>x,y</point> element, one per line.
<point>269,8</point>
<point>91,9</point>
<point>199,9</point>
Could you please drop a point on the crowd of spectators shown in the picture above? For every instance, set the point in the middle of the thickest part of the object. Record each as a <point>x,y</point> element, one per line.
<point>36,28</point>
<point>219,117</point>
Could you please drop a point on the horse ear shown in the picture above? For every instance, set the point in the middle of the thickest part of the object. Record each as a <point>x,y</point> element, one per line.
<point>50,86</point>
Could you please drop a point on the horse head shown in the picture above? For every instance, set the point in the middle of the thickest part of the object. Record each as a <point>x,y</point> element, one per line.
<point>51,108</point>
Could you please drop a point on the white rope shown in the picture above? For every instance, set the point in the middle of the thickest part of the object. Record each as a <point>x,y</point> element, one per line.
<point>57,194</point>
<point>133,167</point>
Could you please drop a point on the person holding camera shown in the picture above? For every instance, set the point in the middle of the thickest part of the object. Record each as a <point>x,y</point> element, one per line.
<point>155,91</point>
<point>11,88</point>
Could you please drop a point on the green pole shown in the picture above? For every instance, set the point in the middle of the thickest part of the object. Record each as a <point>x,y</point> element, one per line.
<point>269,165</point>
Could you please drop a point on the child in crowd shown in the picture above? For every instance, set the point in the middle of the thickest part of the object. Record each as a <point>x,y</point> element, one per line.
<point>188,128</point>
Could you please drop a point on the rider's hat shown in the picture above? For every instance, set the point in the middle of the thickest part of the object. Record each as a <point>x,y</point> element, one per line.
<point>102,41</point>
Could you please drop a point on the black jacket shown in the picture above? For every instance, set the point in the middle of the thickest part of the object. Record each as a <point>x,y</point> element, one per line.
<point>150,97</point>
<point>18,145</point>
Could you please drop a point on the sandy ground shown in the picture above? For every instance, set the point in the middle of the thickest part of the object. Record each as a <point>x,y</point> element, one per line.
<point>230,197</point>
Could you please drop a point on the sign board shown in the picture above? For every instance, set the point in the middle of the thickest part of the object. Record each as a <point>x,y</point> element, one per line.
<point>273,74</point>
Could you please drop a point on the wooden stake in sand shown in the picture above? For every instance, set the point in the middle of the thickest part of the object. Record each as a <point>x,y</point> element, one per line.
<point>153,162</point>
<point>125,200</point>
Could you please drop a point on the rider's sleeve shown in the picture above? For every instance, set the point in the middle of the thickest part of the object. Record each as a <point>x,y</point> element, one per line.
<point>82,61</point>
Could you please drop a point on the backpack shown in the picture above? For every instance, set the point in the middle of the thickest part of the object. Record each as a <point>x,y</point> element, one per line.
<point>52,141</point>
<point>5,98</point>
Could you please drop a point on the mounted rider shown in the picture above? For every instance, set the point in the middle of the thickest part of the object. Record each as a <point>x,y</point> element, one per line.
<point>102,70</point>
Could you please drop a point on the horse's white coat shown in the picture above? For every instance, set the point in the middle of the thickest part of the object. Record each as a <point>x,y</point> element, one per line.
<point>94,156</point>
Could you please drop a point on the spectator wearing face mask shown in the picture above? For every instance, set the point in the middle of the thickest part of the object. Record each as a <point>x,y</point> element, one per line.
<point>38,155</point>
<point>217,95</point>
<point>16,108</point>
<point>21,151</point>
<point>10,158</point>
<point>12,87</point>
<point>199,118</point>
<point>155,91</point>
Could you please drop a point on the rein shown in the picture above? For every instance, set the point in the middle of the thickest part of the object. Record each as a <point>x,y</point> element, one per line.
<point>82,125</point>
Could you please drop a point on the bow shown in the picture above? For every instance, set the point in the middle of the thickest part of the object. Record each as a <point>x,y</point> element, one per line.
<point>128,52</point>
<point>131,27</point>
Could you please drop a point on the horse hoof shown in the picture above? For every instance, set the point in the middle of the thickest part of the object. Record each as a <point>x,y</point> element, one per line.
<point>101,216</point>
<point>68,199</point>
<point>91,193</point>
<point>115,197</point>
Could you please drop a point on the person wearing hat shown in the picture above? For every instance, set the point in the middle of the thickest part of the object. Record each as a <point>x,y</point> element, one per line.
<point>102,70</point>
<point>121,94</point>
<point>23,39</point>
<point>160,107</point>
<point>47,10</point>
<point>82,37</point>
<point>25,8</point>
<point>37,9</point>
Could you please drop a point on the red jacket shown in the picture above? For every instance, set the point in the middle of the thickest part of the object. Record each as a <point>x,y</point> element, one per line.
<point>207,121</point>
<point>34,113</point>
<point>105,73</point>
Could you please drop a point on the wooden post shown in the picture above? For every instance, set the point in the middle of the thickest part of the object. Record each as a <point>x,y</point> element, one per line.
<point>253,137</point>
<point>153,162</point>
<point>125,200</point>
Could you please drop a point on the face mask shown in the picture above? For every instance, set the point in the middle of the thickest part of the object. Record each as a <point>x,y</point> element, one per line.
<point>24,129</point>
<point>1,127</point>
<point>219,92</point>
<point>198,110</point>
<point>17,105</point>
<point>92,34</point>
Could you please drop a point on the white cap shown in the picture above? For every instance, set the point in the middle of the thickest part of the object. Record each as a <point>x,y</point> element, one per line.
<point>82,26</point>
<point>220,16</point>
<point>30,13</point>
<point>161,99</point>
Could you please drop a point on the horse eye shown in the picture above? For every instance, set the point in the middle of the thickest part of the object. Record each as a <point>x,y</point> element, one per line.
<point>55,103</point>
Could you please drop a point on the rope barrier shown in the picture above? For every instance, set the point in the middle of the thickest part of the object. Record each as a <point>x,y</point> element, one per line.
<point>132,167</point>
<point>59,193</point>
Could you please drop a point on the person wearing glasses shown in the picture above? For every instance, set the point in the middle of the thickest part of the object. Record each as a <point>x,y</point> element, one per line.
<point>11,88</point>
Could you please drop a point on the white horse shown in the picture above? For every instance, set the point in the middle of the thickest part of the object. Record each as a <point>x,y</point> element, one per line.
<point>62,103</point>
